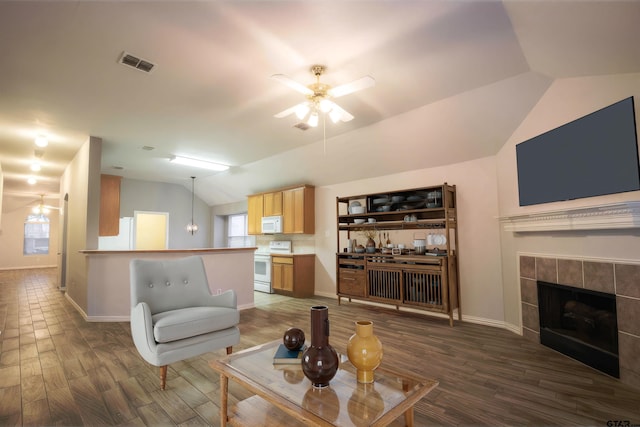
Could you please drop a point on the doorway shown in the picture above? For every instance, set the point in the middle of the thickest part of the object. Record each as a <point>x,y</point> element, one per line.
<point>151,231</point>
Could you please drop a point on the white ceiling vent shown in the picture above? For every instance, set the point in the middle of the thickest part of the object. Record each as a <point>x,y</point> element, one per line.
<point>135,62</point>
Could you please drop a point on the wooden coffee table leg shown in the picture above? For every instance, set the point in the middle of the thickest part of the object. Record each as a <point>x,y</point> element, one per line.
<point>224,388</point>
<point>408,417</point>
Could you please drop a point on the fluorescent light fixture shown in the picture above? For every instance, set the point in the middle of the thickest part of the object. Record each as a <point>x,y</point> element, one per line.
<point>186,161</point>
<point>41,141</point>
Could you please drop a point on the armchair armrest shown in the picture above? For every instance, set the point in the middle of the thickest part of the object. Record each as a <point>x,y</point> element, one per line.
<point>226,299</point>
<point>142,332</point>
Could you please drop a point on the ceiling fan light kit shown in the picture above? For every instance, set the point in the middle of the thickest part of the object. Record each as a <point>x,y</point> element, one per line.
<point>319,97</point>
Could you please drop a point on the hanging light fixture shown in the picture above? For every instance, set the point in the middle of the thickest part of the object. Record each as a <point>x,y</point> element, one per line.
<point>192,227</point>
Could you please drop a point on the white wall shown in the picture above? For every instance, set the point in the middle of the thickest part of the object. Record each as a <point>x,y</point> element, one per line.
<point>479,252</point>
<point>564,101</point>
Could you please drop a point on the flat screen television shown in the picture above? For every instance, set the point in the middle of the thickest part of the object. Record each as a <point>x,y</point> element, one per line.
<point>592,156</point>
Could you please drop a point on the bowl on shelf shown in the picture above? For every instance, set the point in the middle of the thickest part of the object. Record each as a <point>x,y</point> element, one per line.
<point>357,209</point>
<point>397,199</point>
<point>359,221</point>
<point>380,200</point>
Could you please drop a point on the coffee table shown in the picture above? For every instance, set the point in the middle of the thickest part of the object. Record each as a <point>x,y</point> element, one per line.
<point>284,396</point>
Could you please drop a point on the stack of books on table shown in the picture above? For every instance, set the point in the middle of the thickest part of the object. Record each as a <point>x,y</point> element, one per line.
<point>284,356</point>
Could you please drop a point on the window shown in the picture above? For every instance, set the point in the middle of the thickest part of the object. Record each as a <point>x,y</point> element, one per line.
<point>36,235</point>
<point>237,236</point>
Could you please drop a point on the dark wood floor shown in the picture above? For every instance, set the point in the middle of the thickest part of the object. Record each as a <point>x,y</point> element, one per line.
<point>57,369</point>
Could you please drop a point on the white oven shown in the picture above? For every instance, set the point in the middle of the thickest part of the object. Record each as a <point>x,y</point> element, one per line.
<point>262,272</point>
<point>262,264</point>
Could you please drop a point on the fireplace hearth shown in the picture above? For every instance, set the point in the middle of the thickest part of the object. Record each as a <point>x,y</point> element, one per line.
<point>581,324</point>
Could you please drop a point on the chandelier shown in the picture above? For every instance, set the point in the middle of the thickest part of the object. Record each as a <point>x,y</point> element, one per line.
<point>192,227</point>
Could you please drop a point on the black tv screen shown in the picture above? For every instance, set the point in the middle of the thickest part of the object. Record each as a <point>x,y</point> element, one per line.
<point>592,156</point>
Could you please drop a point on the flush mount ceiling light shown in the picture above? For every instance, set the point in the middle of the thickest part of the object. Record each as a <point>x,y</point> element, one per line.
<point>41,141</point>
<point>31,180</point>
<point>36,166</point>
<point>204,164</point>
<point>319,97</point>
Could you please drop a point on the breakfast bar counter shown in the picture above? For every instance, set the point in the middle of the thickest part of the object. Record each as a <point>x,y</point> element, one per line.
<point>108,291</point>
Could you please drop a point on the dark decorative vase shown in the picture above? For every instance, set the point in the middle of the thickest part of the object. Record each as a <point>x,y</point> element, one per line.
<point>293,339</point>
<point>320,360</point>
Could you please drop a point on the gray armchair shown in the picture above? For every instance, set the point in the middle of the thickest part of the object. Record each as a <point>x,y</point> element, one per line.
<point>174,316</point>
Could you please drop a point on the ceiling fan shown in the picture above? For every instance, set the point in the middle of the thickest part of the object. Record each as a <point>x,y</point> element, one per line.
<point>41,208</point>
<point>319,97</point>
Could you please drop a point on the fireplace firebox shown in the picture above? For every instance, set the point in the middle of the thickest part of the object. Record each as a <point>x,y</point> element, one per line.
<point>581,324</point>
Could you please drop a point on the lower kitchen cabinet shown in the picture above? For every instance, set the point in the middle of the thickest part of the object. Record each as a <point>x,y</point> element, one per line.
<point>293,275</point>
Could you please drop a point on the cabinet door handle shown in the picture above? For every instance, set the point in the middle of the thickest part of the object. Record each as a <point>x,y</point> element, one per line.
<point>348,278</point>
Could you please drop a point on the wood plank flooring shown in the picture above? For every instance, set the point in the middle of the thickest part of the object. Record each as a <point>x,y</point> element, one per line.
<point>57,369</point>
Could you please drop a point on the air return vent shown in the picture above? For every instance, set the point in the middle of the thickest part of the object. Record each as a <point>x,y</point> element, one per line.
<point>301,126</point>
<point>135,62</point>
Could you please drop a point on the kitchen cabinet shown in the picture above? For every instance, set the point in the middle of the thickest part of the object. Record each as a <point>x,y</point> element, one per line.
<point>272,203</point>
<point>255,210</point>
<point>109,221</point>
<point>298,210</point>
<point>422,279</point>
<point>295,204</point>
<point>293,275</point>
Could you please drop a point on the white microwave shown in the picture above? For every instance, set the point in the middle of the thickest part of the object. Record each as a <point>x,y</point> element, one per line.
<point>271,224</point>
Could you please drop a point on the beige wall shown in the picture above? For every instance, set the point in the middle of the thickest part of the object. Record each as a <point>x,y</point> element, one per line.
<point>81,180</point>
<point>12,241</point>
<point>479,254</point>
<point>565,100</point>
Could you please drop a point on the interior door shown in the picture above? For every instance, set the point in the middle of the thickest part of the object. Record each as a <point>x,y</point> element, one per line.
<point>151,230</point>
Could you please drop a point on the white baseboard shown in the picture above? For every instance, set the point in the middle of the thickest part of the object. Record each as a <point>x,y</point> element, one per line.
<point>75,305</point>
<point>465,318</point>
<point>108,318</point>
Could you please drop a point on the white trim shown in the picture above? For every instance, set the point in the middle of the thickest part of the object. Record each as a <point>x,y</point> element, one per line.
<point>601,217</point>
<point>574,258</point>
<point>107,318</point>
<point>75,305</point>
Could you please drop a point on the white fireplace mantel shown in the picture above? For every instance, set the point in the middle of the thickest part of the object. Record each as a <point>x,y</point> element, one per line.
<point>602,217</point>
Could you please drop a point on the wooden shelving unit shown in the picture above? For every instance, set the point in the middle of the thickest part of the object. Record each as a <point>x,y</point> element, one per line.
<point>425,281</point>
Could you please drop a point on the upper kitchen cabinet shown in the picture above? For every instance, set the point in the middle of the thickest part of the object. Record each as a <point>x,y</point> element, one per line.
<point>109,223</point>
<point>296,205</point>
<point>255,212</point>
<point>272,203</point>
<point>298,210</point>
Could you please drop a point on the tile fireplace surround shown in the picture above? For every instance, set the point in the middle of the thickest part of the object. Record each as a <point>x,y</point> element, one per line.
<point>620,279</point>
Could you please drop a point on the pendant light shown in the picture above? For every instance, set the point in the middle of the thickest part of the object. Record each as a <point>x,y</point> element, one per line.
<point>192,227</point>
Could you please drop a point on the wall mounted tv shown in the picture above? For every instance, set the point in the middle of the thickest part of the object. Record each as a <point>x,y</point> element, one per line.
<point>592,156</point>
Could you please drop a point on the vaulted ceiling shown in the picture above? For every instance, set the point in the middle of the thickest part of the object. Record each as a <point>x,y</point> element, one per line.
<point>453,81</point>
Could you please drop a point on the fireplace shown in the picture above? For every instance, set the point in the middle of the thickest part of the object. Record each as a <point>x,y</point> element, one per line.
<point>580,323</point>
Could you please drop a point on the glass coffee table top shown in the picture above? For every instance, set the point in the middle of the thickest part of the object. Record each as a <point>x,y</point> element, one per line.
<point>344,403</point>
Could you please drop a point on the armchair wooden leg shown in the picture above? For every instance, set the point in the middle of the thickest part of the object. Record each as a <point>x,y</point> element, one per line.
<point>229,349</point>
<point>163,376</point>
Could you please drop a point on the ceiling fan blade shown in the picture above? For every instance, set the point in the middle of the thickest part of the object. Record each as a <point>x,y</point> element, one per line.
<point>288,81</point>
<point>356,85</point>
<point>339,113</point>
<point>289,111</point>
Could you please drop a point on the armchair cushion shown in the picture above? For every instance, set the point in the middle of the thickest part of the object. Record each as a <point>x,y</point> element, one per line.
<point>189,322</point>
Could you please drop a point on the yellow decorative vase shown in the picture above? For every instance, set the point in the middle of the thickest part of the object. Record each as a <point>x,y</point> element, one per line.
<point>364,351</point>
